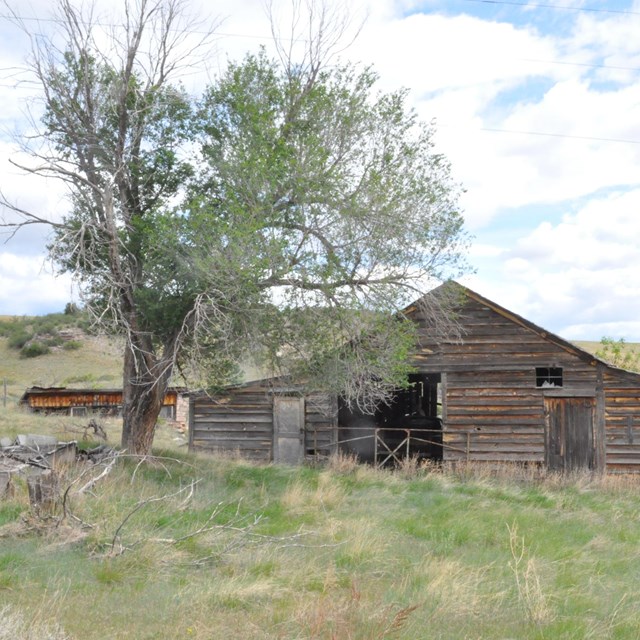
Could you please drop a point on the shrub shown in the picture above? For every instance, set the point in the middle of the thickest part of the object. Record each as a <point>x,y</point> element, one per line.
<point>18,338</point>
<point>72,345</point>
<point>33,350</point>
<point>54,341</point>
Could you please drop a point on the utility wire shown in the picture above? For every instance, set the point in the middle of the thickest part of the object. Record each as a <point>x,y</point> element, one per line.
<point>533,5</point>
<point>559,135</point>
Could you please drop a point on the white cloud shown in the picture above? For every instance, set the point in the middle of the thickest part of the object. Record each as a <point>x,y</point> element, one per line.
<point>582,271</point>
<point>27,286</point>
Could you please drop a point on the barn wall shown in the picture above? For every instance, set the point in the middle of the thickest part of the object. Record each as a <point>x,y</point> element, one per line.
<point>241,421</point>
<point>61,401</point>
<point>494,411</point>
<point>622,421</point>
<point>321,420</point>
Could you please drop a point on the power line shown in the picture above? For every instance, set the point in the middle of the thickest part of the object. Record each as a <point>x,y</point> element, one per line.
<point>534,5</point>
<point>580,64</point>
<point>559,135</point>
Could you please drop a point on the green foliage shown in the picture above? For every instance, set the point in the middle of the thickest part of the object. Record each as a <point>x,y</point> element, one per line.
<point>328,194</point>
<point>72,345</point>
<point>34,349</point>
<point>43,331</point>
<point>619,354</point>
<point>8,513</point>
<point>302,554</point>
<point>18,337</point>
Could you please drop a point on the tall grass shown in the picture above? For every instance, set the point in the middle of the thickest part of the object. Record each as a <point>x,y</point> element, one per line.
<point>199,547</point>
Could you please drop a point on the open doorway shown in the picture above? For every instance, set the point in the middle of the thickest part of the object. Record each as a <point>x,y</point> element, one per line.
<point>412,423</point>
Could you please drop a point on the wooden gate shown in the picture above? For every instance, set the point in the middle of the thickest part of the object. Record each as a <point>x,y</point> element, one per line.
<point>288,429</point>
<point>569,433</point>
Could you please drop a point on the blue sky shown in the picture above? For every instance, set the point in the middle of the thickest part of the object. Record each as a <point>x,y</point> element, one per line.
<point>537,105</point>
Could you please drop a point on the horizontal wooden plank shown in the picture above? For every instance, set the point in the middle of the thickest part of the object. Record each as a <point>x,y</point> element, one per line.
<point>239,428</point>
<point>502,431</point>
<point>481,421</point>
<point>482,411</point>
<point>494,457</point>
<point>613,461</point>
<point>243,440</point>
<point>231,418</point>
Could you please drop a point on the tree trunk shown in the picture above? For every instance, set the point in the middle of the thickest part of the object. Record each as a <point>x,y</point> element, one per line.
<point>142,398</point>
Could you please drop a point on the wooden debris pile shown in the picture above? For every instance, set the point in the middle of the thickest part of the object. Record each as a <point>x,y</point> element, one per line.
<point>39,458</point>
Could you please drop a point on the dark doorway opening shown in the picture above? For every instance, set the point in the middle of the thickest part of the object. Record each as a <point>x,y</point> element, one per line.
<point>412,424</point>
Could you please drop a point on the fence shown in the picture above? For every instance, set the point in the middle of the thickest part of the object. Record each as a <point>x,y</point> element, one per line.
<point>392,445</point>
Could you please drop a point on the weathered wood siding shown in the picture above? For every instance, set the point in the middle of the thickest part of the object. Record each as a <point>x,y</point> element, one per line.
<point>622,421</point>
<point>241,420</point>
<point>321,424</point>
<point>494,410</point>
<point>61,399</point>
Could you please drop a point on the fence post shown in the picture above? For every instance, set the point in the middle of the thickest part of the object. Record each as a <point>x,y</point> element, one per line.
<point>375,448</point>
<point>468,444</point>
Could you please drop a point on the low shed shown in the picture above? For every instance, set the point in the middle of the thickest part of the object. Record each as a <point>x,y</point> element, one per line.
<point>82,401</point>
<point>264,421</point>
<point>505,390</point>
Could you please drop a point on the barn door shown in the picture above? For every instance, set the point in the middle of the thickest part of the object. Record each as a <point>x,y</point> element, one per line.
<point>288,429</point>
<point>569,433</point>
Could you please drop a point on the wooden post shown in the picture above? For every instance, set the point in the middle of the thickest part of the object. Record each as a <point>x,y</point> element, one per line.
<point>375,448</point>
<point>468,444</point>
<point>408,432</point>
<point>599,427</point>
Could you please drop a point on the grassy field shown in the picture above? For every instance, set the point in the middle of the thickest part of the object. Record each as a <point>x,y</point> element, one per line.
<point>219,548</point>
<point>214,547</point>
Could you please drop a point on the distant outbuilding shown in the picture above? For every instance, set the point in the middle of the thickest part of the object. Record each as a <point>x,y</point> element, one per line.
<point>80,402</point>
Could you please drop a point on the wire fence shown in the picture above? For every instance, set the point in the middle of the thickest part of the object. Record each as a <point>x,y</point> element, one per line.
<point>392,445</point>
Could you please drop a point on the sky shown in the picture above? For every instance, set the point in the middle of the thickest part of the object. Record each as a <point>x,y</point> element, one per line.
<point>536,105</point>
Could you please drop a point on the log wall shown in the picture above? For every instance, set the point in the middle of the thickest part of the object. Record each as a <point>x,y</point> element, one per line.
<point>494,410</point>
<point>241,421</point>
<point>622,421</point>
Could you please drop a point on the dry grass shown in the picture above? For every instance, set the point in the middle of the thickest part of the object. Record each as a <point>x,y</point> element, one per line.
<point>311,553</point>
<point>15,625</point>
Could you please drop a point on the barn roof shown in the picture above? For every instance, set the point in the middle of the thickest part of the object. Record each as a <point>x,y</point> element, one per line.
<point>66,392</point>
<point>568,346</point>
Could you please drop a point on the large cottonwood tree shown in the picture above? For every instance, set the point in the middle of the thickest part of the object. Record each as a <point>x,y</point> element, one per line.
<point>284,216</point>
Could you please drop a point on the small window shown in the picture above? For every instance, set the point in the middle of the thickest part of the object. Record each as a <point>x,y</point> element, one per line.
<point>548,377</point>
<point>78,411</point>
<point>167,412</point>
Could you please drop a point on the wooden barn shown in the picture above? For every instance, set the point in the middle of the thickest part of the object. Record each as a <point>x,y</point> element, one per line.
<point>504,390</point>
<point>106,401</point>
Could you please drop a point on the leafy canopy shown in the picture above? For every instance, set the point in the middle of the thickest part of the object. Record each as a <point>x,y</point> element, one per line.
<point>320,209</point>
